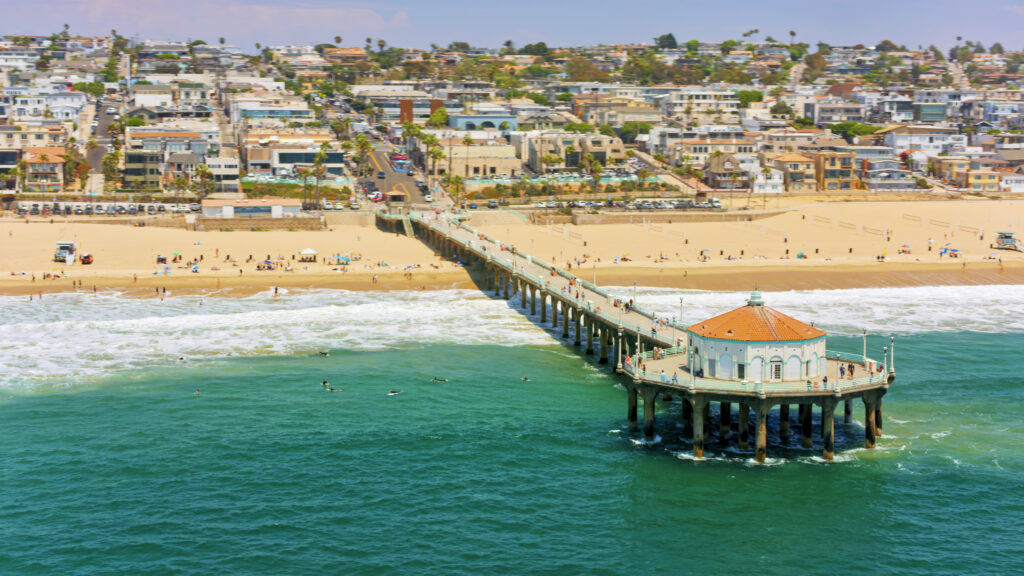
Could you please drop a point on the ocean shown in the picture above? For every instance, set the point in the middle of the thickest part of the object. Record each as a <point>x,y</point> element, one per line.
<point>111,464</point>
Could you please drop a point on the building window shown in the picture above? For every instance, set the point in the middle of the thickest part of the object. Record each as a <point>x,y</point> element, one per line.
<point>741,371</point>
<point>775,371</point>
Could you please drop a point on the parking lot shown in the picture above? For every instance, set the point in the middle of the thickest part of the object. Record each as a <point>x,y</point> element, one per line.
<point>27,208</point>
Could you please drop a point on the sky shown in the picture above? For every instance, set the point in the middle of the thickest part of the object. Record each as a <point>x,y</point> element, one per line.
<point>419,23</point>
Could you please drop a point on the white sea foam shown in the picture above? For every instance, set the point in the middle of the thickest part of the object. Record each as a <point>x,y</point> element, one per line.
<point>77,336</point>
<point>994,309</point>
<point>71,337</point>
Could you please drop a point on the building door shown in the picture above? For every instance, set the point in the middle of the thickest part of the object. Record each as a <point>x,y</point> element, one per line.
<point>775,370</point>
<point>726,366</point>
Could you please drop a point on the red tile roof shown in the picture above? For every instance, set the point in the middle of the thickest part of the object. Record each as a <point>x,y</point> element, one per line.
<point>755,323</point>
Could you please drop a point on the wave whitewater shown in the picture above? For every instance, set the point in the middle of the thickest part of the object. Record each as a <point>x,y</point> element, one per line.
<point>71,337</point>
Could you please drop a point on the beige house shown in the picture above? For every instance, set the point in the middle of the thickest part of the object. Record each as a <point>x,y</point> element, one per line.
<point>697,152</point>
<point>571,148</point>
<point>798,174</point>
<point>475,161</point>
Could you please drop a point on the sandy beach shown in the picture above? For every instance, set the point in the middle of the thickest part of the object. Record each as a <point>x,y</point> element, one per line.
<point>842,243</point>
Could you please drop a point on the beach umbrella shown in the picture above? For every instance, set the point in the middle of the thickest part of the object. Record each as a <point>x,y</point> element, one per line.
<point>308,252</point>
<point>176,254</point>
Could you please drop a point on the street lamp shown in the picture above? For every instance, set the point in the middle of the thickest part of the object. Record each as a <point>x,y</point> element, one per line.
<point>892,352</point>
<point>864,355</point>
<point>634,293</point>
<point>595,272</point>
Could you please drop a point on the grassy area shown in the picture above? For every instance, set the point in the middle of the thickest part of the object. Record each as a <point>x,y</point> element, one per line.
<point>261,189</point>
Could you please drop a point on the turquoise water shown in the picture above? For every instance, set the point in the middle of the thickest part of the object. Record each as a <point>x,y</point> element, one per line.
<point>115,466</point>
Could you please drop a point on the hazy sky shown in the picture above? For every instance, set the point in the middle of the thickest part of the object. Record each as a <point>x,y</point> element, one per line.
<point>557,22</point>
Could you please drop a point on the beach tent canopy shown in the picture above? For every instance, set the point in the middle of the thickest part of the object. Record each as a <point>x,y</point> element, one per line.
<point>308,252</point>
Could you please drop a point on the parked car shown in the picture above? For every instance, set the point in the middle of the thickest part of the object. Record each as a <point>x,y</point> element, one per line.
<point>79,210</point>
<point>492,204</point>
<point>428,198</point>
<point>473,206</point>
<point>381,175</point>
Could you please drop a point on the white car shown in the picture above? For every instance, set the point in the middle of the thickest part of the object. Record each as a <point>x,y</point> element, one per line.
<point>428,198</point>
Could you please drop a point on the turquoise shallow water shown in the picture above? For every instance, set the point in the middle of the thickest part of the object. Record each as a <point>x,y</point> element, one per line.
<point>265,473</point>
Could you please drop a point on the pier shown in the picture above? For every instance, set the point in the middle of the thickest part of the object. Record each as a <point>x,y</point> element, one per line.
<point>661,360</point>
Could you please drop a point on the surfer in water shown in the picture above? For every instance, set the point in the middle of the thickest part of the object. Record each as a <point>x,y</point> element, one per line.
<point>325,353</point>
<point>436,379</point>
<point>325,384</point>
<point>394,393</point>
<point>525,379</point>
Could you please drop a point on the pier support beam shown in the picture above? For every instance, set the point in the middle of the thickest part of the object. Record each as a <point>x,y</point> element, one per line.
<point>870,421</point>
<point>743,427</point>
<point>589,322</point>
<point>828,431</point>
<point>533,300</point>
<point>521,286</point>
<point>554,311</point>
<point>724,419</point>
<point>848,411</point>
<point>603,337</point>
<point>878,416</point>
<point>566,314</point>
<point>784,422</point>
<point>631,409</point>
<point>699,403</point>
<point>707,419</point>
<point>543,307</point>
<point>577,325</point>
<point>650,397</point>
<point>505,280</point>
<point>687,418</point>
<point>806,421</point>
<point>761,431</point>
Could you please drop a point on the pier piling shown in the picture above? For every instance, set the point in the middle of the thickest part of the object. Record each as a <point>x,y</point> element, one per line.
<point>806,423</point>
<point>699,403</point>
<point>743,427</point>
<point>761,432</point>
<point>828,428</point>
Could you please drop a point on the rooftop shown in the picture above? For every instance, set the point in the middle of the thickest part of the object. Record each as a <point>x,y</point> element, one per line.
<point>755,322</point>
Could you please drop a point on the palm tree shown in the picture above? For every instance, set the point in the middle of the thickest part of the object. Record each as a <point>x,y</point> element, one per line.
<point>467,141</point>
<point>569,151</point>
<point>179,185</point>
<point>304,174</point>
<point>642,175</point>
<point>221,39</point>
<point>595,173</point>
<point>434,154</point>
<point>792,36</point>
<point>319,170</point>
<point>548,159</point>
<point>381,44</point>
<point>202,181</point>
<point>91,145</point>
<point>337,39</point>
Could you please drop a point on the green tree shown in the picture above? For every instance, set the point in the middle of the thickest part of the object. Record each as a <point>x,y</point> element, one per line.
<point>747,96</point>
<point>536,49</point>
<point>438,118</point>
<point>202,182</point>
<point>630,130</point>
<point>606,129</point>
<point>666,41</point>
<point>579,127</point>
<point>781,109</point>
<point>887,46</point>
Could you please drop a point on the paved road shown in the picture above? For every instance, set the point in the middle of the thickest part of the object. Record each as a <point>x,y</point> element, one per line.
<point>392,180</point>
<point>95,156</point>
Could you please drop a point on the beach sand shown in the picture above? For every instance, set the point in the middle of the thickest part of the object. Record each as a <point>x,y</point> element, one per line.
<point>738,256</point>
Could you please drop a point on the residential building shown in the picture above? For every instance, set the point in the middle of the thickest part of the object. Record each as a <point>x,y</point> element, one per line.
<point>143,168</point>
<point>44,169</point>
<point>833,111</point>
<point>605,149</point>
<point>834,171</point>
<point>697,152</point>
<point>949,168</point>
<point>798,174</point>
<point>932,140</point>
<point>978,181</point>
<point>724,172</point>
<point>925,112</point>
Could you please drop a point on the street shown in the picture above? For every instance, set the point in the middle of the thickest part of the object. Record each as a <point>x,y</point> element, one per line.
<point>392,180</point>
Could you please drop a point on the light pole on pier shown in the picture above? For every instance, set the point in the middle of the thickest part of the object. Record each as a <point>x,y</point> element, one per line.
<point>634,293</point>
<point>595,272</point>
<point>892,353</point>
<point>864,355</point>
